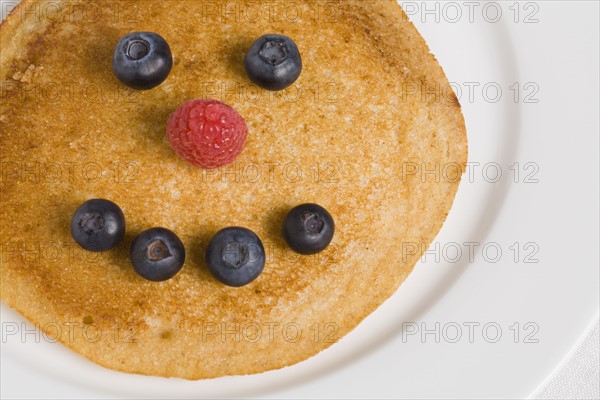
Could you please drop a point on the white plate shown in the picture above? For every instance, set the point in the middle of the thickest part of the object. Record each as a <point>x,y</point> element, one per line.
<point>539,309</point>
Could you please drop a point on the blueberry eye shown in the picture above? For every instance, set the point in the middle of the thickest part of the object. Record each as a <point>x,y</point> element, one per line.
<point>142,60</point>
<point>273,62</point>
<point>137,49</point>
<point>274,52</point>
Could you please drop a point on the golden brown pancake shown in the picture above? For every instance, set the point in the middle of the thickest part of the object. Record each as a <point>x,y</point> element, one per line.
<point>351,134</point>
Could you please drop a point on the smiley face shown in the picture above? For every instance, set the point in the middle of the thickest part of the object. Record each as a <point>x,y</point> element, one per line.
<point>342,135</point>
<point>208,134</point>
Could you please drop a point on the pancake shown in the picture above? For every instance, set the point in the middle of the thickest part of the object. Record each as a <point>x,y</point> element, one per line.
<point>356,134</point>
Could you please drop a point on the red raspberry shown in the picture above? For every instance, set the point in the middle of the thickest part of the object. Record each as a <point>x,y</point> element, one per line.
<point>207,133</point>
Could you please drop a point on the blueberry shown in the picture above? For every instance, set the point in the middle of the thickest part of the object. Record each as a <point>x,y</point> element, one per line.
<point>142,60</point>
<point>273,62</point>
<point>157,254</point>
<point>235,256</point>
<point>98,225</point>
<point>308,228</point>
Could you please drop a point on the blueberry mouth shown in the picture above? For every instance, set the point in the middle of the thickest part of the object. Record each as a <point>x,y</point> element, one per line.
<point>308,228</point>
<point>137,49</point>
<point>312,223</point>
<point>98,225</point>
<point>92,222</point>
<point>157,254</point>
<point>158,250</point>
<point>235,255</point>
<point>274,52</point>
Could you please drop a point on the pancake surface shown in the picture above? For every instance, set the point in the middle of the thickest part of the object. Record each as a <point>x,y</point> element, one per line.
<point>345,135</point>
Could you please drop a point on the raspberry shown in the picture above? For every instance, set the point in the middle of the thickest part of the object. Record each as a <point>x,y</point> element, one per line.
<point>207,133</point>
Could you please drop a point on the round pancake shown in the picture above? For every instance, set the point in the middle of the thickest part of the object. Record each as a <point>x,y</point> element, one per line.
<point>357,133</point>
